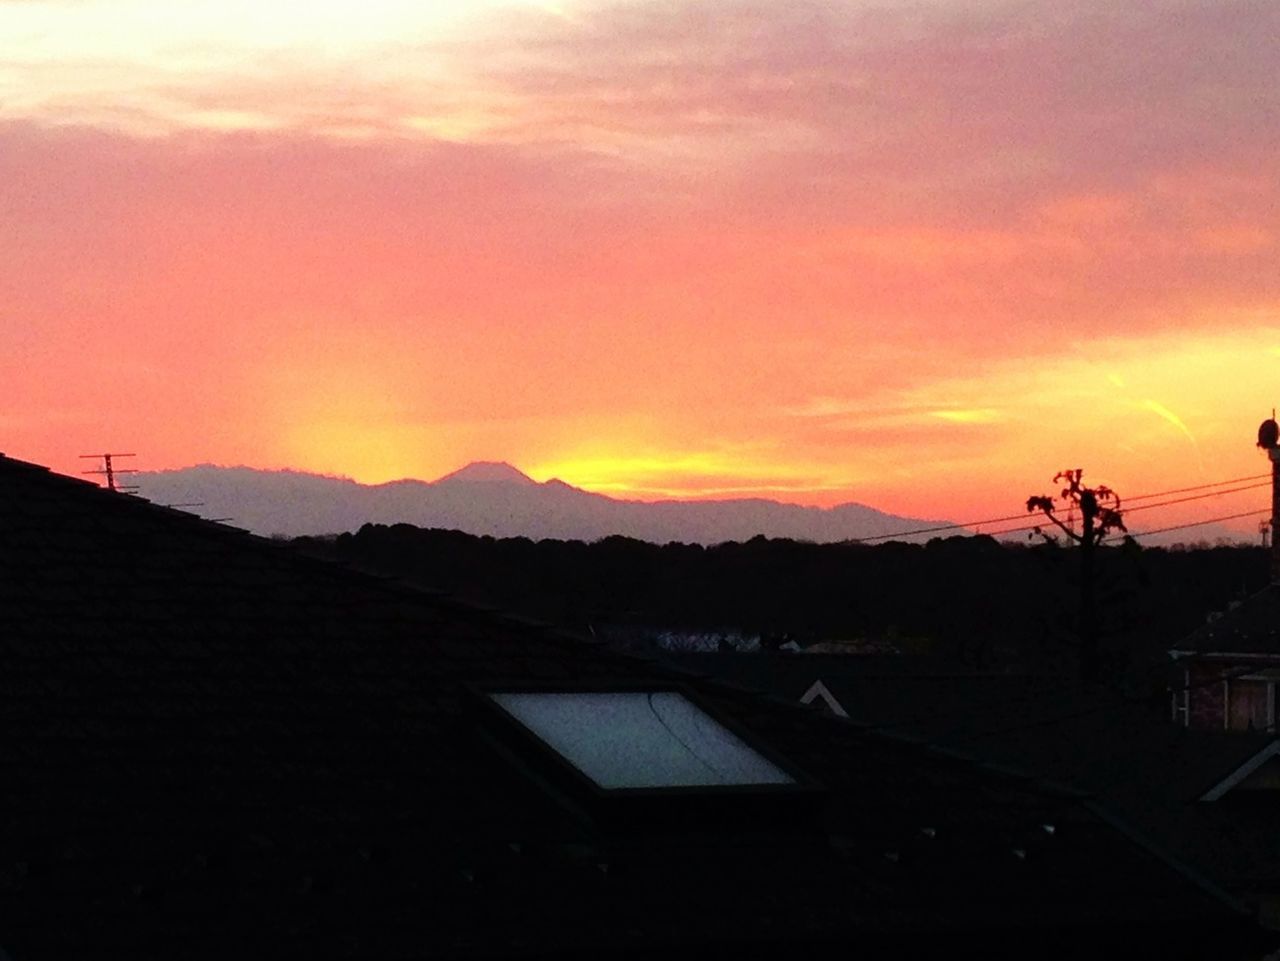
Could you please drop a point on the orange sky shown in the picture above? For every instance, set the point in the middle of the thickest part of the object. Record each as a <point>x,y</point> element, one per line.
<point>920,255</point>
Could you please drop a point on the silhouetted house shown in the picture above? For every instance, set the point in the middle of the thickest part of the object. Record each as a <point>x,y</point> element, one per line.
<point>1224,688</point>
<point>1212,800</point>
<point>1226,671</point>
<point>214,747</point>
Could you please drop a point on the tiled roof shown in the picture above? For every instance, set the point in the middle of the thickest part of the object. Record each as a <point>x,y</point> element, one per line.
<point>212,746</point>
<point>1251,627</point>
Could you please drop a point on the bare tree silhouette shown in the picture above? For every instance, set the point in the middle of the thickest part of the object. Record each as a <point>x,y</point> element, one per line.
<point>1100,516</point>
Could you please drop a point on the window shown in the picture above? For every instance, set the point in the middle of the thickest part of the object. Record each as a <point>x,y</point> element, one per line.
<point>641,740</point>
<point>1251,704</point>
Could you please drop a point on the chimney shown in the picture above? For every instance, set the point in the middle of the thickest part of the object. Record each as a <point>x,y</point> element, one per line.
<point>1269,440</point>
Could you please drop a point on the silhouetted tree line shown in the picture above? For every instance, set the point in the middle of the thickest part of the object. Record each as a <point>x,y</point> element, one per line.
<point>989,603</point>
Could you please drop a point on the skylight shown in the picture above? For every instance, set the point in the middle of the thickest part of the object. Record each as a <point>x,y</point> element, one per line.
<point>641,740</point>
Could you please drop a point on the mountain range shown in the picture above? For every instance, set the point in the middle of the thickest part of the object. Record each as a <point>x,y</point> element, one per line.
<point>498,500</point>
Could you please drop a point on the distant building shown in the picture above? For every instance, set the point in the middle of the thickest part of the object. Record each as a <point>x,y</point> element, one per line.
<point>1226,671</point>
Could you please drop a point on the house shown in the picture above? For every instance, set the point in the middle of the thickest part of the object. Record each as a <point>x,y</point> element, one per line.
<point>1226,671</point>
<point>213,746</point>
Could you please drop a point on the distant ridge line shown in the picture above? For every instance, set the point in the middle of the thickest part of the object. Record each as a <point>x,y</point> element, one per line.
<point>496,499</point>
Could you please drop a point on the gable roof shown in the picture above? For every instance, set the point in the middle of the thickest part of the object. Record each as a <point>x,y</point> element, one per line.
<point>817,693</point>
<point>212,745</point>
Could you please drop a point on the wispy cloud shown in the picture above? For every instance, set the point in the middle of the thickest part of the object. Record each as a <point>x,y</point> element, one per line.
<point>1164,413</point>
<point>981,415</point>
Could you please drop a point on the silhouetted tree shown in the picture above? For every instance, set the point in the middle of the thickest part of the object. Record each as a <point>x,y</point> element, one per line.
<point>1100,516</point>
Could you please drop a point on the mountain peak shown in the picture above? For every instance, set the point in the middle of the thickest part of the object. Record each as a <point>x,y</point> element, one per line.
<point>497,500</point>
<point>488,472</point>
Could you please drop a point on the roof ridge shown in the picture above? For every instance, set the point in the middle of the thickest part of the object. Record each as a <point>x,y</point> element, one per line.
<point>405,589</point>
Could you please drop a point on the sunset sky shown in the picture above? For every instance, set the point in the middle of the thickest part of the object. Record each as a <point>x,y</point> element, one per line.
<point>920,255</point>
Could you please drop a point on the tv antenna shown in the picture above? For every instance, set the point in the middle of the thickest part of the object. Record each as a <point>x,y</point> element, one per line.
<point>110,471</point>
<point>187,507</point>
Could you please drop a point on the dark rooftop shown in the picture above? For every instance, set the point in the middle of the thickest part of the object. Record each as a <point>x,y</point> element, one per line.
<point>1251,627</point>
<point>1117,747</point>
<point>213,746</point>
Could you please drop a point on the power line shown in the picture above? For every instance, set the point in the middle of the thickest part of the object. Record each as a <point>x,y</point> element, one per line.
<point>934,530</point>
<point>1212,520</point>
<point>1199,487</point>
<point>1194,497</point>
<point>1023,516</point>
<point>1158,530</point>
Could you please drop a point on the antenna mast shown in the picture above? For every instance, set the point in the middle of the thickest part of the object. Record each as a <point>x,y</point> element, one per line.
<point>110,471</point>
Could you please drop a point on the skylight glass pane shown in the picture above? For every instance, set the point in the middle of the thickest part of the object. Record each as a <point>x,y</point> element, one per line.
<point>641,740</point>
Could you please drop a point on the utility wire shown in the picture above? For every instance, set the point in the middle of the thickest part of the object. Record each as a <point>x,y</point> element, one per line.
<point>1198,487</point>
<point>1028,527</point>
<point>1212,520</point>
<point>1015,530</point>
<point>1193,497</point>
<point>1158,530</point>
<point>932,530</point>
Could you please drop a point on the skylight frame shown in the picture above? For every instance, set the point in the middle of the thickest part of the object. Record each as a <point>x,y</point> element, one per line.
<point>529,744</point>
